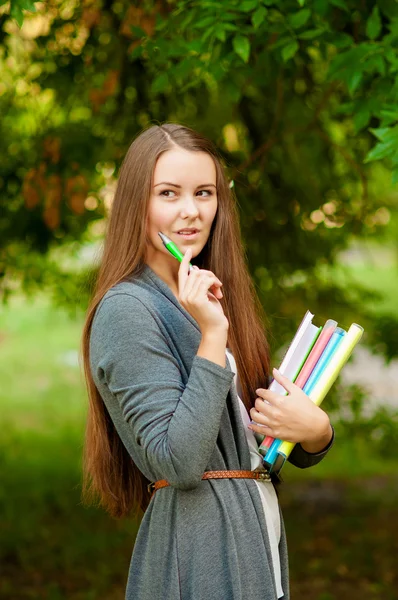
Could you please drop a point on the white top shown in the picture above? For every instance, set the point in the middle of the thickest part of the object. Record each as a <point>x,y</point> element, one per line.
<point>266,488</point>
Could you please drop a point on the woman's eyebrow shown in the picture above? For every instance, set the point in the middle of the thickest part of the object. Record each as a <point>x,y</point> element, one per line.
<point>178,186</point>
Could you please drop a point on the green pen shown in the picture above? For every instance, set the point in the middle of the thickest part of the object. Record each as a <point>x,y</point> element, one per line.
<point>173,249</point>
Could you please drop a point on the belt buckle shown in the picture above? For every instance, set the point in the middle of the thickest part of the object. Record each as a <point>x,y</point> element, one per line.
<point>263,475</point>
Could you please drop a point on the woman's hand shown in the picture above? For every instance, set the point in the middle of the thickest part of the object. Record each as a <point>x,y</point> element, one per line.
<point>292,418</point>
<point>195,296</point>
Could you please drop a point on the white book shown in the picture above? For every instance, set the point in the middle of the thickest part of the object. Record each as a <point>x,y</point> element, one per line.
<point>299,348</point>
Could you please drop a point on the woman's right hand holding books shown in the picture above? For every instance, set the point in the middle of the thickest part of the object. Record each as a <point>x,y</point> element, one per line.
<point>293,418</point>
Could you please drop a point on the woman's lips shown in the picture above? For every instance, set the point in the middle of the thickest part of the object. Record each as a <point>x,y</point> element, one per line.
<point>189,236</point>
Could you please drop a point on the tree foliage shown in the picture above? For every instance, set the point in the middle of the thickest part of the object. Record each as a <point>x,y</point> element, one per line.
<point>300,97</point>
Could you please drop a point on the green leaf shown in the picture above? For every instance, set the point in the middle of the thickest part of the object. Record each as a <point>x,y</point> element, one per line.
<point>373,24</point>
<point>345,108</point>
<point>230,27</point>
<point>390,115</point>
<point>320,7</point>
<point>221,35</point>
<point>27,5</point>
<point>353,80</point>
<point>137,31</point>
<point>351,60</point>
<point>301,2</point>
<point>340,40</point>
<point>381,150</point>
<point>233,92</point>
<point>185,67</point>
<point>390,134</point>
<point>380,133</point>
<point>205,22</point>
<point>310,34</point>
<point>160,83</point>
<point>195,46</point>
<point>248,5</point>
<point>340,4</point>
<point>16,13</point>
<point>361,119</point>
<point>205,34</point>
<point>300,18</point>
<point>390,54</point>
<point>290,50</point>
<point>259,16</point>
<point>394,176</point>
<point>241,46</point>
<point>137,52</point>
<point>394,159</point>
<point>376,64</point>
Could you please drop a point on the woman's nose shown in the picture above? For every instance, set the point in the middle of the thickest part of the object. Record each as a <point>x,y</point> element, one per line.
<point>190,207</point>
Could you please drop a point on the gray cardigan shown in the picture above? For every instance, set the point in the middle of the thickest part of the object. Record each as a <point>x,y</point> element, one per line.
<point>178,415</point>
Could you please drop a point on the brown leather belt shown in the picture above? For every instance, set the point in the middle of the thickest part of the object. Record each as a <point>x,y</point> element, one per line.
<point>262,475</point>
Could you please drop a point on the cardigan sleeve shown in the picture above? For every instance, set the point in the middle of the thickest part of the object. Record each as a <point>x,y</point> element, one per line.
<point>175,425</point>
<point>303,459</point>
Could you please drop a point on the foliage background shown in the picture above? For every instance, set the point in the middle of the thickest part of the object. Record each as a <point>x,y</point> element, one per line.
<point>300,98</point>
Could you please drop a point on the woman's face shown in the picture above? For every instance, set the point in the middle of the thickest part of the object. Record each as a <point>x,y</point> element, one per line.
<point>183,195</point>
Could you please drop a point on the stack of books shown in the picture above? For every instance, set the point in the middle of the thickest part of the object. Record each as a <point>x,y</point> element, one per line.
<point>313,362</point>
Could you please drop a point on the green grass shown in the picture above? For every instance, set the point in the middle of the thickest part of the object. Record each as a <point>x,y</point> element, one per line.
<point>54,548</point>
<point>384,280</point>
<point>376,276</point>
<point>348,458</point>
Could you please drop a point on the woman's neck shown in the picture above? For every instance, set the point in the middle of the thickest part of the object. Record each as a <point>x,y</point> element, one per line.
<point>166,270</point>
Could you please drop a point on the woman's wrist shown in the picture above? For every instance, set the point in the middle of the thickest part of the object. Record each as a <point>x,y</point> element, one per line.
<point>216,334</point>
<point>213,345</point>
<point>324,435</point>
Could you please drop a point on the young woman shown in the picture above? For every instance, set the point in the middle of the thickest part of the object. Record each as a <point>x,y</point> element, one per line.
<point>177,363</point>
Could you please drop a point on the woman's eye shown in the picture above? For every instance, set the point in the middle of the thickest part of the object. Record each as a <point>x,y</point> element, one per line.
<point>166,191</point>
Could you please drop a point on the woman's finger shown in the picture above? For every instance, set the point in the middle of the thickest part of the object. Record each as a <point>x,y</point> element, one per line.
<point>201,286</point>
<point>183,271</point>
<point>269,396</point>
<point>263,429</point>
<point>206,272</point>
<point>284,381</point>
<point>259,418</point>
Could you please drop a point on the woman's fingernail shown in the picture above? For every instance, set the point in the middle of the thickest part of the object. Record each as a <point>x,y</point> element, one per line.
<point>275,371</point>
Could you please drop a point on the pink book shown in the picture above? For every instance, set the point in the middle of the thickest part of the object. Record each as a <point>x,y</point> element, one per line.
<point>316,352</point>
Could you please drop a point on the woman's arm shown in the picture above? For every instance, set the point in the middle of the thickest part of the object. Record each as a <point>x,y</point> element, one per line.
<point>176,426</point>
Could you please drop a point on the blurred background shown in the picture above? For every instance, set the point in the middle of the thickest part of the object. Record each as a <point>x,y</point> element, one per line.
<point>300,97</point>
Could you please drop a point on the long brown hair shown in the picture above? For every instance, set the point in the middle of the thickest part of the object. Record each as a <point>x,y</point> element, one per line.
<point>109,473</point>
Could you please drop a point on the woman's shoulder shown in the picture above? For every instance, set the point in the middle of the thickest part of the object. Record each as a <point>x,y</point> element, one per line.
<point>124,297</point>
<point>133,290</point>
<point>122,302</point>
